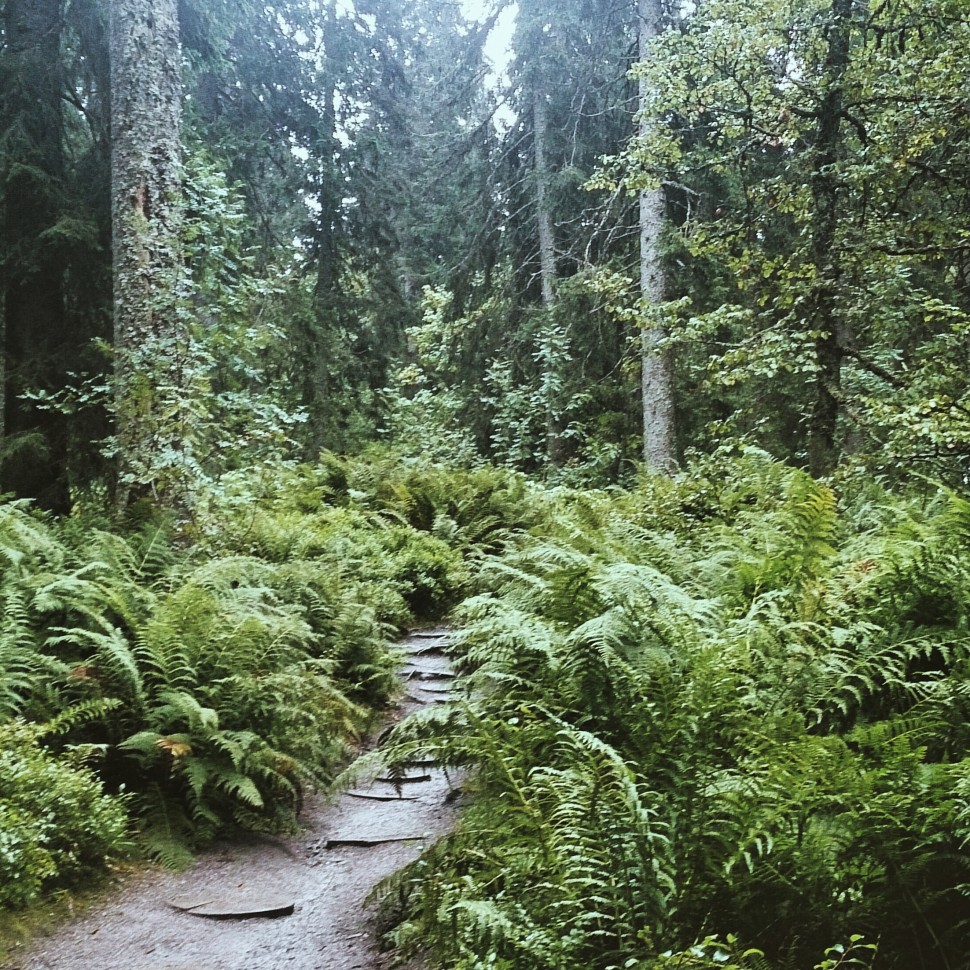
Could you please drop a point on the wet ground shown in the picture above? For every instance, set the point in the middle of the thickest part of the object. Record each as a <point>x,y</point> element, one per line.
<point>317,881</point>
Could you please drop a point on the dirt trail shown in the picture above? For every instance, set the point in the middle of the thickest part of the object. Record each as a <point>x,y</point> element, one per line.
<point>324,878</point>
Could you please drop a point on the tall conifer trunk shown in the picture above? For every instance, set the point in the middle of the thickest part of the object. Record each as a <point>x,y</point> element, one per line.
<point>659,442</point>
<point>547,272</point>
<point>318,390</point>
<point>150,336</point>
<point>35,329</point>
<point>547,245</point>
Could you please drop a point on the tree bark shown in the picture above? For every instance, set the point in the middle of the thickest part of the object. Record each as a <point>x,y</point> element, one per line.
<point>555,446</point>
<point>822,447</point>
<point>151,340</point>
<point>547,245</point>
<point>659,439</point>
<point>318,392</point>
<point>35,332</point>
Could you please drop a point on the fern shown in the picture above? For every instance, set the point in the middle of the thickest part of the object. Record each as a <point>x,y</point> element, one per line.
<point>84,712</point>
<point>732,719</point>
<point>214,777</point>
<point>111,656</point>
<point>167,833</point>
<point>20,664</point>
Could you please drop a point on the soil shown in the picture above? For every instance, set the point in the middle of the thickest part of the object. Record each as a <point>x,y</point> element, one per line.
<point>319,879</point>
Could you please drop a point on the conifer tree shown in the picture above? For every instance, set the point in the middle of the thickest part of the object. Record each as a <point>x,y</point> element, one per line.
<point>151,341</point>
<point>33,267</point>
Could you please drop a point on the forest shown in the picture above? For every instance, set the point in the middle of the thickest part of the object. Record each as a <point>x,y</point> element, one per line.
<point>628,337</point>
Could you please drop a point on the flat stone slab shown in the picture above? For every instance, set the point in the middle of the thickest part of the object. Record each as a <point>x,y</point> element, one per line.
<point>229,904</point>
<point>427,673</point>
<point>432,687</point>
<point>366,841</point>
<point>428,649</point>
<point>380,797</point>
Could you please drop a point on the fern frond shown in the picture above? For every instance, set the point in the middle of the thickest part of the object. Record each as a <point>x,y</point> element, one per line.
<point>111,653</point>
<point>83,712</point>
<point>166,832</point>
<point>20,664</point>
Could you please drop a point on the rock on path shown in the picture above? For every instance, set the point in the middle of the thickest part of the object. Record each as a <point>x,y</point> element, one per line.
<point>325,873</point>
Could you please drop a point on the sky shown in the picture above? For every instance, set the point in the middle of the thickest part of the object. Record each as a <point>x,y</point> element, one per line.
<point>499,40</point>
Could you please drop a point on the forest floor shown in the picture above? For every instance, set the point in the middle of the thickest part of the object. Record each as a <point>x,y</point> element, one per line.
<point>153,920</point>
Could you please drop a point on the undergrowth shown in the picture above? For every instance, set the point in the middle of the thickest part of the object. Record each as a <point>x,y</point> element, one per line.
<point>714,722</point>
<point>206,677</point>
<point>718,721</point>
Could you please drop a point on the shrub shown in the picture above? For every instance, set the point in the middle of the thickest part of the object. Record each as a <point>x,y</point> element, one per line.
<point>56,823</point>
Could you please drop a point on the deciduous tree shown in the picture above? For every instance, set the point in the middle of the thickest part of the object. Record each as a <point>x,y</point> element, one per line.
<point>657,387</point>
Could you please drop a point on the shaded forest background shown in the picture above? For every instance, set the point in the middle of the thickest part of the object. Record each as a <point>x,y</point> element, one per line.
<point>382,241</point>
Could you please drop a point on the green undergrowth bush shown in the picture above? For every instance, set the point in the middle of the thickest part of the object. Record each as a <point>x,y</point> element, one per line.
<point>733,706</point>
<point>56,823</point>
<point>220,670</point>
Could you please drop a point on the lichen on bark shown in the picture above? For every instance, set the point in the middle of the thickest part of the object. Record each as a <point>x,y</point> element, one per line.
<point>150,332</point>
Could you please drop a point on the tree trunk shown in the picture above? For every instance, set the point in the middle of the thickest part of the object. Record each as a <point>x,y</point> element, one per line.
<point>35,330</point>
<point>547,245</point>
<point>555,450</point>
<point>822,450</point>
<point>659,441</point>
<point>318,387</point>
<point>151,340</point>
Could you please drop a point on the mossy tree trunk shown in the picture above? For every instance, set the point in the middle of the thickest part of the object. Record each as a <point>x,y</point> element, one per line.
<point>151,341</point>
<point>659,441</point>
